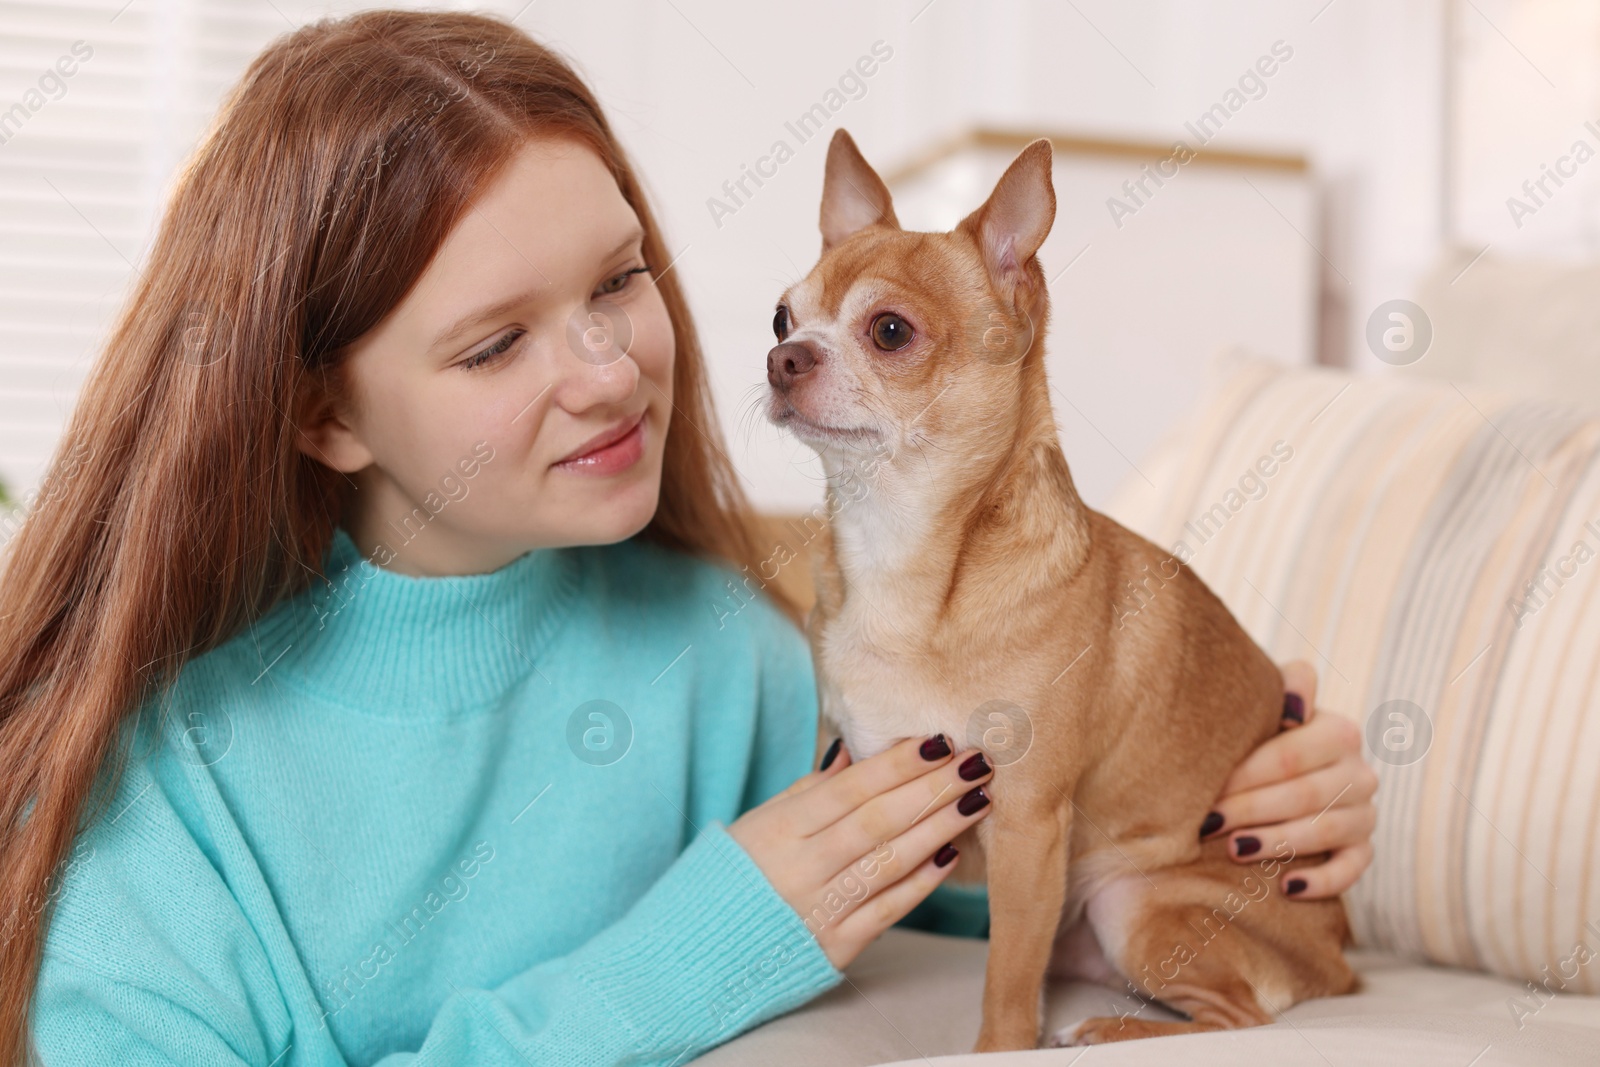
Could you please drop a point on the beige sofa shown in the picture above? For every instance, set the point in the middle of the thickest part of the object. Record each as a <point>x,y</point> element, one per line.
<point>912,998</point>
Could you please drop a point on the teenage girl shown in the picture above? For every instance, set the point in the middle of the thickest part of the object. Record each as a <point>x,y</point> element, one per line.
<point>367,688</point>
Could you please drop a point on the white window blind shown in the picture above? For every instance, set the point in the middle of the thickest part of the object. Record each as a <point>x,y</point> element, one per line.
<point>99,101</point>
<point>86,161</point>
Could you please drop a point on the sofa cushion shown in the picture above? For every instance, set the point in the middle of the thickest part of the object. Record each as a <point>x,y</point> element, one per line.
<point>913,998</point>
<point>1433,550</point>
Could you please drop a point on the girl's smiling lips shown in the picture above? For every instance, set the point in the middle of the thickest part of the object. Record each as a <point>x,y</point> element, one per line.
<point>609,452</point>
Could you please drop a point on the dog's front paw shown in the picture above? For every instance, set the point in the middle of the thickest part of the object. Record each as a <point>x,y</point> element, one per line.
<point>1096,1031</point>
<point>1066,1037</point>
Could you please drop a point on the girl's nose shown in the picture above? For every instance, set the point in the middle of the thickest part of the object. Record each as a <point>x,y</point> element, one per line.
<point>594,367</point>
<point>599,332</point>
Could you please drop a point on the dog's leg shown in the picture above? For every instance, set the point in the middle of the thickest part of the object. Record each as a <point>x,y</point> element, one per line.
<point>1219,944</point>
<point>1027,855</point>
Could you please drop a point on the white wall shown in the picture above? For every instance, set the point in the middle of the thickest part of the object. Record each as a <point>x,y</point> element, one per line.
<point>1530,97</point>
<point>699,87</point>
<point>1359,97</point>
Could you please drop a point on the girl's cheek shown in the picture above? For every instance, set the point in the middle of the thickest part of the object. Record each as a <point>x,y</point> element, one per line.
<point>654,342</point>
<point>511,414</point>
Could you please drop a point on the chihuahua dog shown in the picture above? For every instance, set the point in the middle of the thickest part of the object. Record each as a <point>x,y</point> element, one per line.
<point>964,588</point>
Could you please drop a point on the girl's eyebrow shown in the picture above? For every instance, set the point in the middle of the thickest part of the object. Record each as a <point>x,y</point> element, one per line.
<point>474,319</point>
<point>451,333</point>
<point>635,235</point>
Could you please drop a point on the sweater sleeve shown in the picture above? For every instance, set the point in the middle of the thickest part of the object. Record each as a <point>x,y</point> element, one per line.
<point>709,951</point>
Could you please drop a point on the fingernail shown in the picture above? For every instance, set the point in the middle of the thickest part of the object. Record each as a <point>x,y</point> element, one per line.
<point>1246,846</point>
<point>935,747</point>
<point>974,766</point>
<point>976,800</point>
<point>1295,887</point>
<point>1212,823</point>
<point>1294,707</point>
<point>945,856</point>
<point>832,754</point>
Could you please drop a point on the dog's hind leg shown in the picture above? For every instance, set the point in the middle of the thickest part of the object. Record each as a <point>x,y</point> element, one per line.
<point>1166,959</point>
<point>1217,943</point>
<point>1027,858</point>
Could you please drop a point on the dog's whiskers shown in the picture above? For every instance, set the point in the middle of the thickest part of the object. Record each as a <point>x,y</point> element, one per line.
<point>750,411</point>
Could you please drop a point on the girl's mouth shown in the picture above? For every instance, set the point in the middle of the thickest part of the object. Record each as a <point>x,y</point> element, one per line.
<point>613,457</point>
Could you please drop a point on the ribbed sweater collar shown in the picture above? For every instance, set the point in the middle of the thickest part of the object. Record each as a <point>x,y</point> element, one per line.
<point>404,646</point>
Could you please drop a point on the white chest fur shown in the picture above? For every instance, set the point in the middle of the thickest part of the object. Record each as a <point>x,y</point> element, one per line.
<point>880,685</point>
<point>882,675</point>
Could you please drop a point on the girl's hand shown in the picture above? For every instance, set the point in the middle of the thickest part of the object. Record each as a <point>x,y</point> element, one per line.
<point>1308,787</point>
<point>854,847</point>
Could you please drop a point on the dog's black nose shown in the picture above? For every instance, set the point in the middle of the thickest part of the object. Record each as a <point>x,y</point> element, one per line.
<point>789,361</point>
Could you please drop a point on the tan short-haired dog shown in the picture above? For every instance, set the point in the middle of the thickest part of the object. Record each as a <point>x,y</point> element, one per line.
<point>964,588</point>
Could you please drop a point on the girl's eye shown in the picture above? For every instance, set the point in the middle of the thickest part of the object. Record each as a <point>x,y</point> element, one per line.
<point>500,347</point>
<point>618,282</point>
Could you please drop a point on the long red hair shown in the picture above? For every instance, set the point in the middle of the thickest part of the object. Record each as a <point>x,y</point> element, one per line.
<point>178,508</point>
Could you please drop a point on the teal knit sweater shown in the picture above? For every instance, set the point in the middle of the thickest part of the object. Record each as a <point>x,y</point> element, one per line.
<point>470,820</point>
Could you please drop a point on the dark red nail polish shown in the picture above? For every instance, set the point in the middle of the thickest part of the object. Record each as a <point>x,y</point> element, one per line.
<point>832,754</point>
<point>974,801</point>
<point>1294,707</point>
<point>935,747</point>
<point>1246,846</point>
<point>945,856</point>
<point>974,766</point>
<point>1212,823</point>
<point>1295,886</point>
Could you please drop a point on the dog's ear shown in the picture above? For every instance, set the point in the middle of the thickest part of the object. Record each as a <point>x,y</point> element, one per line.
<point>853,196</point>
<point>1015,220</point>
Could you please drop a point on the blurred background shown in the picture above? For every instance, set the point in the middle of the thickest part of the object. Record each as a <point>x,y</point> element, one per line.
<point>1271,175</point>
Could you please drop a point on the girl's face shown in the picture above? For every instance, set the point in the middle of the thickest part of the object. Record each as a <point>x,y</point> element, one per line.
<point>519,396</point>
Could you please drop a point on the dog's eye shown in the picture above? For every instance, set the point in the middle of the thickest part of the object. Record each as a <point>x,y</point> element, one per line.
<point>780,322</point>
<point>890,331</point>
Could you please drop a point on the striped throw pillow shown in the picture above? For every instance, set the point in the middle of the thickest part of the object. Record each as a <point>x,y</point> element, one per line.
<point>1435,551</point>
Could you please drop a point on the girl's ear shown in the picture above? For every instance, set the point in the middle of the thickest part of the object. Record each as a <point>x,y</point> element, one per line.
<point>324,435</point>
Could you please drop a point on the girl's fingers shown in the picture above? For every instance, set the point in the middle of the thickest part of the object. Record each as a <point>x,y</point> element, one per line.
<point>1323,740</point>
<point>888,863</point>
<point>836,794</point>
<point>934,797</point>
<point>1299,681</point>
<point>1347,783</point>
<point>1334,829</point>
<point>1328,879</point>
<point>844,939</point>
